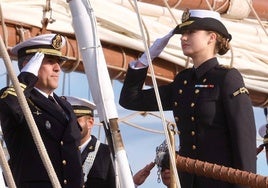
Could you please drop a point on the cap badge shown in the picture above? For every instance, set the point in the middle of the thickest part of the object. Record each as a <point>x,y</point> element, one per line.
<point>185,16</point>
<point>57,42</point>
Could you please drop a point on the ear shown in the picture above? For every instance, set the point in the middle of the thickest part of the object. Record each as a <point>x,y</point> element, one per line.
<point>212,37</point>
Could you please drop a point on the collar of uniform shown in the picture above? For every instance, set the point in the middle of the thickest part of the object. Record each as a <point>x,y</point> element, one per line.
<point>84,145</point>
<point>205,67</point>
<point>43,93</point>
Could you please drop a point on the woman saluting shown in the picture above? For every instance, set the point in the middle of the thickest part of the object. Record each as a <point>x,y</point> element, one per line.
<point>210,103</point>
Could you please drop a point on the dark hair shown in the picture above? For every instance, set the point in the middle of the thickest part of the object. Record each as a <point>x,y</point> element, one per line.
<point>23,60</point>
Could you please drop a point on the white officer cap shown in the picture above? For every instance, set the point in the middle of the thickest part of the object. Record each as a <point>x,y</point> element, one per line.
<point>205,14</point>
<point>81,106</point>
<point>198,19</point>
<point>49,44</point>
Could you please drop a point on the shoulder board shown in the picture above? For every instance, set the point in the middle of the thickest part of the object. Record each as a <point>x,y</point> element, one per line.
<point>11,91</point>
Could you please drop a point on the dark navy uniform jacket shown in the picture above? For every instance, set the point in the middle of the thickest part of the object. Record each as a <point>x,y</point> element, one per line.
<point>213,114</point>
<point>59,132</point>
<point>102,173</point>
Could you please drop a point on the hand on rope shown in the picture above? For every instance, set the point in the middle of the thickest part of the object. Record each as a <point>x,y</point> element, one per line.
<point>156,48</point>
<point>34,64</point>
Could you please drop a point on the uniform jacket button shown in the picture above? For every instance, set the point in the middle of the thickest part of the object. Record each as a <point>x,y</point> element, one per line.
<point>64,162</point>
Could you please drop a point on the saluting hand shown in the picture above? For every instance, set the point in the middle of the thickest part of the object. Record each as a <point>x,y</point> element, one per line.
<point>156,48</point>
<point>34,64</point>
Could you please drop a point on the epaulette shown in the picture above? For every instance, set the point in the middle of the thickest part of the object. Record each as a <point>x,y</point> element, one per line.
<point>11,91</point>
<point>240,91</point>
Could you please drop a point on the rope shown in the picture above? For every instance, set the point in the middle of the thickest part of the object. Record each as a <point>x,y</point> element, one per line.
<point>171,13</point>
<point>219,172</point>
<point>173,166</point>
<point>257,17</point>
<point>29,118</point>
<point>6,170</point>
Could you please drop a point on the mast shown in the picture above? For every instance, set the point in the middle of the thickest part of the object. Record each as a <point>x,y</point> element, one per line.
<point>84,24</point>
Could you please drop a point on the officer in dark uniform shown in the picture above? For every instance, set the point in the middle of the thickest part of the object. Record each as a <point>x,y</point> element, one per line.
<point>96,158</point>
<point>210,102</point>
<point>39,60</point>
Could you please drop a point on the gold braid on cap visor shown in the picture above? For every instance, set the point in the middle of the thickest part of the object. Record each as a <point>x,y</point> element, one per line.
<point>85,112</point>
<point>45,51</point>
<point>185,23</point>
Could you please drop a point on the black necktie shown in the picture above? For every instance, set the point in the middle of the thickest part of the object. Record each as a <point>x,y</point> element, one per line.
<point>58,106</point>
<point>52,99</point>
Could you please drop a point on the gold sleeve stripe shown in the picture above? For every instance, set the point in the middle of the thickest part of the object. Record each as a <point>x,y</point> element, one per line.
<point>240,91</point>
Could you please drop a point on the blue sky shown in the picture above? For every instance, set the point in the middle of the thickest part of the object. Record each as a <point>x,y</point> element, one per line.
<point>139,145</point>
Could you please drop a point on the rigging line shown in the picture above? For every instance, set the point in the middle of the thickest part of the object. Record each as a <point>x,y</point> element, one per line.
<point>172,157</point>
<point>177,4</point>
<point>144,25</point>
<point>5,168</point>
<point>142,128</point>
<point>209,5</point>
<point>257,16</point>
<point>142,113</point>
<point>4,26</point>
<point>222,6</point>
<point>171,13</point>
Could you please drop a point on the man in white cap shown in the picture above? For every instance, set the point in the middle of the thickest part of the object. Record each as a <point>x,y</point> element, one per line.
<point>39,60</point>
<point>96,158</point>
